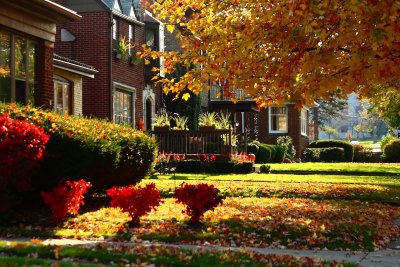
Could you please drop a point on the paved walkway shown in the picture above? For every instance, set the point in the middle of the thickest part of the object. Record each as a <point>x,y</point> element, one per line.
<point>380,258</point>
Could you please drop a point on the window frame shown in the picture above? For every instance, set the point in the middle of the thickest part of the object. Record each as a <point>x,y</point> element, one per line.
<point>68,85</point>
<point>304,122</point>
<point>270,115</point>
<point>29,79</point>
<point>115,32</point>
<point>122,88</point>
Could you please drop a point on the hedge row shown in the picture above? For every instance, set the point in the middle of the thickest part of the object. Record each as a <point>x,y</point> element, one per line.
<point>197,166</point>
<point>391,152</point>
<point>104,153</point>
<point>348,148</point>
<point>266,153</point>
<point>327,154</point>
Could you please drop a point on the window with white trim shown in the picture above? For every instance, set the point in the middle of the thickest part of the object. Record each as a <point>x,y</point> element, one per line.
<point>124,105</point>
<point>278,119</point>
<point>115,33</point>
<point>303,121</point>
<point>131,38</point>
<point>62,96</point>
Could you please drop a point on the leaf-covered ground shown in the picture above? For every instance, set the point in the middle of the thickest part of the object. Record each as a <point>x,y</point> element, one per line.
<point>256,222</point>
<point>34,254</point>
<point>284,189</point>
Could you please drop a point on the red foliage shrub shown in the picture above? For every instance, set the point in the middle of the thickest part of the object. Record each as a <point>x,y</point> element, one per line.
<point>66,199</point>
<point>137,201</point>
<point>22,146</point>
<point>198,199</point>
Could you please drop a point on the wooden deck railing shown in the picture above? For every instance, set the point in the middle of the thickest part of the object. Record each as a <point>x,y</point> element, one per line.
<point>193,143</point>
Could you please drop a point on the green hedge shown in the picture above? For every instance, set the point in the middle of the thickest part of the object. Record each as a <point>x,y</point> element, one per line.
<point>391,152</point>
<point>327,154</point>
<point>197,166</point>
<point>266,153</point>
<point>104,153</point>
<point>348,148</point>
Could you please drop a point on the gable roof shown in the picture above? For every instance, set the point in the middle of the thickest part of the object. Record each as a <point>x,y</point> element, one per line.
<point>125,12</point>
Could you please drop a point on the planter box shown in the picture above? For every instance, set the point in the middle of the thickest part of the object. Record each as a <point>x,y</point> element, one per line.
<point>161,129</point>
<point>207,128</point>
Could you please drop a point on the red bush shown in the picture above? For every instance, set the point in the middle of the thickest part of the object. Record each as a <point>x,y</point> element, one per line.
<point>137,201</point>
<point>22,146</point>
<point>198,199</point>
<point>66,199</point>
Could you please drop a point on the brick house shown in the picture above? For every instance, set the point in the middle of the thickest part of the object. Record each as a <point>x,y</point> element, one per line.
<point>120,91</point>
<point>264,125</point>
<point>27,35</point>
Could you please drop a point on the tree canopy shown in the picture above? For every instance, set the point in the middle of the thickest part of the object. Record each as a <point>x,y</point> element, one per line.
<point>280,51</point>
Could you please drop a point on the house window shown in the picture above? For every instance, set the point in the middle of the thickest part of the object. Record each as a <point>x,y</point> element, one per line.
<point>124,110</point>
<point>278,119</point>
<point>115,32</point>
<point>151,39</point>
<point>303,122</point>
<point>62,96</point>
<point>17,68</point>
<point>131,37</point>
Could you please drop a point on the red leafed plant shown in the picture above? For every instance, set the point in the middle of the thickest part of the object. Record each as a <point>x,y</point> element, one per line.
<point>137,201</point>
<point>22,146</point>
<point>66,198</point>
<point>198,199</point>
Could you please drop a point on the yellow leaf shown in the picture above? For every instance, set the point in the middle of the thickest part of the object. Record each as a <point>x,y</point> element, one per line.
<point>146,62</point>
<point>170,28</point>
<point>186,96</point>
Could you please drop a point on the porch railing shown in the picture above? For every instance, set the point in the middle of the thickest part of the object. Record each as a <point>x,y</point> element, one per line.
<point>193,143</point>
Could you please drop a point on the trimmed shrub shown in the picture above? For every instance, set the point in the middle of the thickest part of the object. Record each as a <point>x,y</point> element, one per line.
<point>327,154</point>
<point>198,199</point>
<point>252,148</point>
<point>65,199</point>
<point>279,154</point>
<point>189,166</point>
<point>243,167</point>
<point>265,168</point>
<point>105,153</point>
<point>137,201</point>
<point>386,140</point>
<point>364,154</point>
<point>267,153</point>
<point>348,148</point>
<point>222,166</point>
<point>391,153</point>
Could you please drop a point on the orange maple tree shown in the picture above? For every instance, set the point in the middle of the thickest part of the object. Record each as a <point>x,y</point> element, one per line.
<point>280,51</point>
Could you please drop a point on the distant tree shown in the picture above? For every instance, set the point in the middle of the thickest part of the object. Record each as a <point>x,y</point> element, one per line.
<point>329,110</point>
<point>330,131</point>
<point>385,101</point>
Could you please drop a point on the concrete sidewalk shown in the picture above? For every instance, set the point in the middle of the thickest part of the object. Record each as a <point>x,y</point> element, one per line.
<point>380,258</point>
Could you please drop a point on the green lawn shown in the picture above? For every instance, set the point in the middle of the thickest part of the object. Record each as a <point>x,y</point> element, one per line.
<point>339,168</point>
<point>287,178</point>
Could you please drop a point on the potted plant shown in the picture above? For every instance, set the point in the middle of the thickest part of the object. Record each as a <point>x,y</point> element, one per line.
<point>180,123</point>
<point>134,58</point>
<point>122,51</point>
<point>161,122</point>
<point>208,121</point>
<point>224,121</point>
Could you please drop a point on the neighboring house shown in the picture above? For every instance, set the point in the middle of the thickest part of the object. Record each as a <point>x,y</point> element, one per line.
<point>264,125</point>
<point>27,35</point>
<point>119,91</point>
<point>68,84</point>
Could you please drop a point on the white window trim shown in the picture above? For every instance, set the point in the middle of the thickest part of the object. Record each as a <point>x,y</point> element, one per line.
<point>303,122</point>
<point>270,121</point>
<point>149,94</point>
<point>130,89</point>
<point>63,81</point>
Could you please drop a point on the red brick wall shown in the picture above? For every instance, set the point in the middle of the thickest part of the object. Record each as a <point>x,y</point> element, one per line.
<point>128,74</point>
<point>300,142</point>
<point>92,46</point>
<point>45,87</point>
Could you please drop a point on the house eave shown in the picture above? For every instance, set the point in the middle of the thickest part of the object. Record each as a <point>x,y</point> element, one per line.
<point>128,18</point>
<point>74,68</point>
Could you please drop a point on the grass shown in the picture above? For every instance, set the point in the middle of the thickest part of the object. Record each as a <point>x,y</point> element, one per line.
<point>281,178</point>
<point>22,254</point>
<point>339,168</point>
